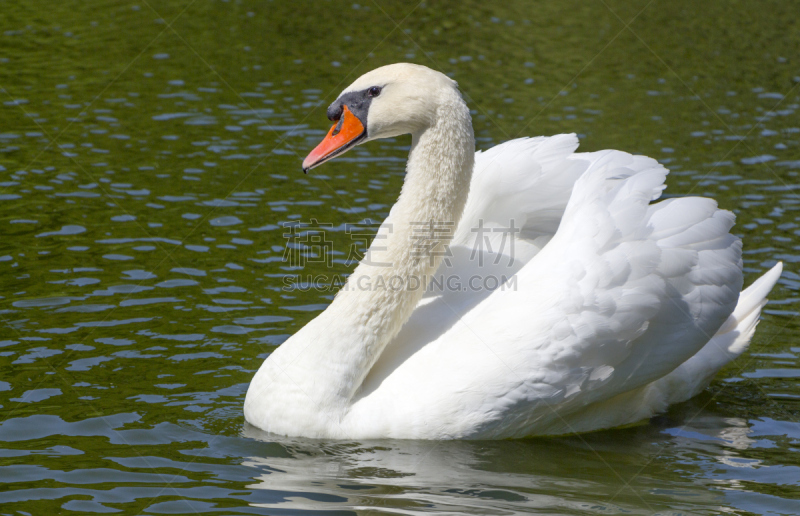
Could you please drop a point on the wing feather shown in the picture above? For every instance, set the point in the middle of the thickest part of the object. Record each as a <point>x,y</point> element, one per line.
<point>615,293</point>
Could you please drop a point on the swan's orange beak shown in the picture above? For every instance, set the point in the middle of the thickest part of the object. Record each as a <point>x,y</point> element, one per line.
<point>343,136</point>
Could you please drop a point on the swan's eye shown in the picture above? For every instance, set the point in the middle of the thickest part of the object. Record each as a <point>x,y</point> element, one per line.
<point>374,91</point>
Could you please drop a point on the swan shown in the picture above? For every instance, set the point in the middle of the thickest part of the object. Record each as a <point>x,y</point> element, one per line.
<point>608,308</point>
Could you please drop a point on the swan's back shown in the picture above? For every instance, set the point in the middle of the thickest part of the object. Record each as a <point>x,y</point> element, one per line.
<point>608,294</point>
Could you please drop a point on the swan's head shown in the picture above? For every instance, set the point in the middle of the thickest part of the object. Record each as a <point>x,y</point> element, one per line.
<point>388,101</point>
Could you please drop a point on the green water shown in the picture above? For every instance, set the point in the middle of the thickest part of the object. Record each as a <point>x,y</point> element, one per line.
<point>150,153</point>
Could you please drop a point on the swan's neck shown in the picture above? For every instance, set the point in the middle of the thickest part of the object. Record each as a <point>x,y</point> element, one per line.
<point>380,295</point>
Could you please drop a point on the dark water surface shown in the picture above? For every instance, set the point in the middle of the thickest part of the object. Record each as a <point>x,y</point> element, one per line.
<point>150,153</point>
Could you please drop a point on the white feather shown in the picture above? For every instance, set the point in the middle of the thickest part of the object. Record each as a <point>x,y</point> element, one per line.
<point>612,306</point>
<point>623,299</point>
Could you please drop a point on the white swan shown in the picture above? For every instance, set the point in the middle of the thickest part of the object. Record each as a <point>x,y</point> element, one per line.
<point>614,307</point>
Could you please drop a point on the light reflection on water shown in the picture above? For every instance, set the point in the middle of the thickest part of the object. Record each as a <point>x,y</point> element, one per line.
<point>504,477</point>
<point>142,253</point>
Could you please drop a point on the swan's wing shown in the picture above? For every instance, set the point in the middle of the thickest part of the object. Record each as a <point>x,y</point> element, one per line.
<point>517,196</point>
<point>622,294</point>
<point>526,182</point>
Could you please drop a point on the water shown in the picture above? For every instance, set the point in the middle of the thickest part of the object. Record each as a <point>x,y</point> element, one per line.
<point>149,154</point>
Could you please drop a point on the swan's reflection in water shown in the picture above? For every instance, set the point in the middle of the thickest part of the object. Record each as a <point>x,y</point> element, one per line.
<point>660,467</point>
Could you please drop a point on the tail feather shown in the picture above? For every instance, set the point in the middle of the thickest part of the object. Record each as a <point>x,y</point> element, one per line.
<point>753,298</point>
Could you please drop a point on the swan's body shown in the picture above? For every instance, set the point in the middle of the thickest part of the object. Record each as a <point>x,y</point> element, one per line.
<point>612,307</point>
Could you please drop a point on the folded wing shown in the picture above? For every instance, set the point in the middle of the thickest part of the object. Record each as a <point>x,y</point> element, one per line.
<point>610,293</point>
